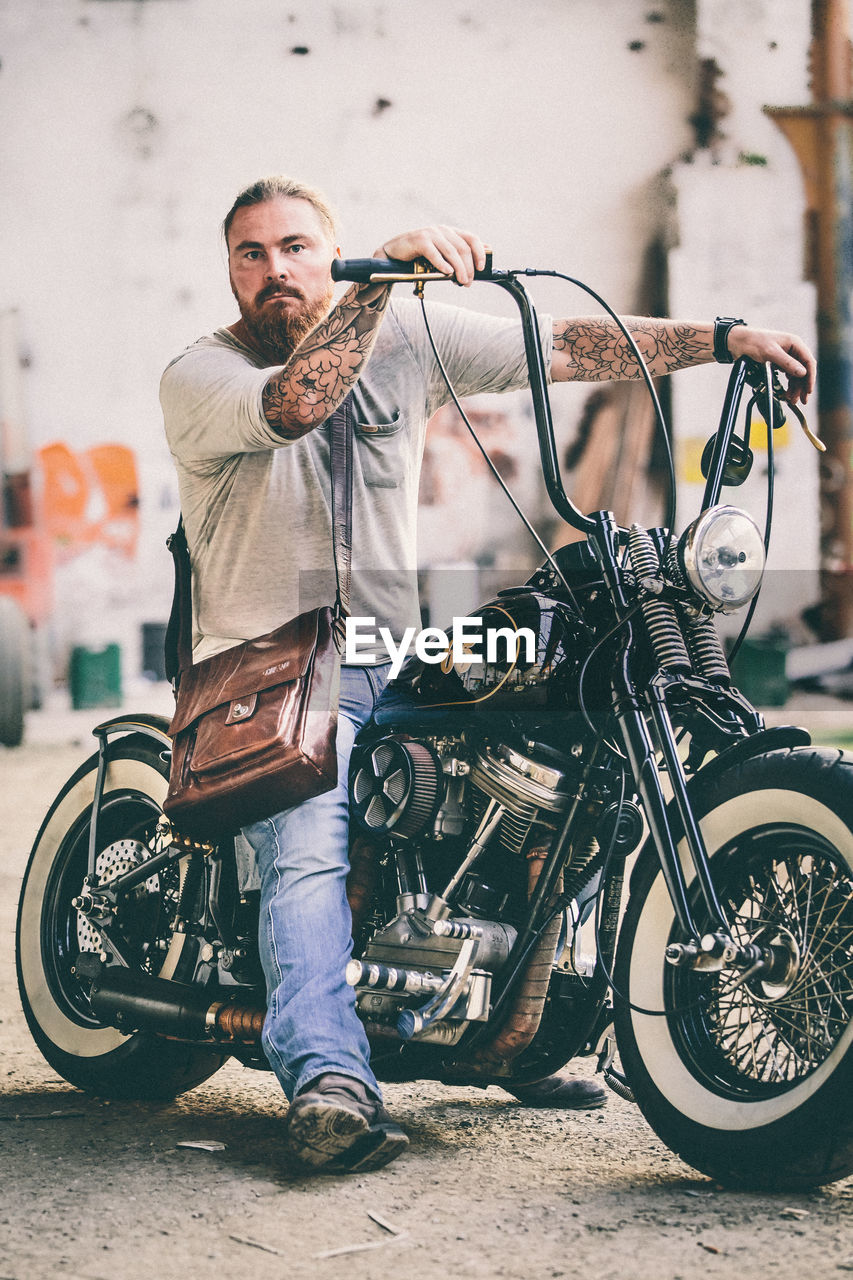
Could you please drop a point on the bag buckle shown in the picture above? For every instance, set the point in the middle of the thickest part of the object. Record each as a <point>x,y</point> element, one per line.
<point>241,709</point>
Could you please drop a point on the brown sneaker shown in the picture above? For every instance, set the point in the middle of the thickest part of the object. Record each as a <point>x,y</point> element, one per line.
<point>335,1124</point>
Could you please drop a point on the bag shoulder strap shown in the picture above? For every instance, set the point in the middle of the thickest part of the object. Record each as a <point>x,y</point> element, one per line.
<point>341,433</point>
<point>178,641</point>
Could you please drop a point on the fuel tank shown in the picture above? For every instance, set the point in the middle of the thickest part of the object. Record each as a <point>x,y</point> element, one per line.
<point>526,655</point>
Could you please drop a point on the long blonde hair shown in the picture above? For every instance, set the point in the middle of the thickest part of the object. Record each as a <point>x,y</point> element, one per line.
<point>279,185</point>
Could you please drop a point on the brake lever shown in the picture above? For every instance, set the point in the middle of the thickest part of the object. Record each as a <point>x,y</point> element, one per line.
<point>809,434</point>
<point>757,379</point>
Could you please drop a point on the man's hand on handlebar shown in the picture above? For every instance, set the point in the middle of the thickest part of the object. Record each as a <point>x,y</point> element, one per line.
<point>454,252</point>
<point>785,351</point>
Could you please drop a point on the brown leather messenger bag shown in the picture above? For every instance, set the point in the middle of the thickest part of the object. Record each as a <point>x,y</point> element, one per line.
<point>254,727</point>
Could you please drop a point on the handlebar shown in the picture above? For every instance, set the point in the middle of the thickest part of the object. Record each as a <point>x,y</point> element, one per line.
<point>391,271</point>
<point>395,271</point>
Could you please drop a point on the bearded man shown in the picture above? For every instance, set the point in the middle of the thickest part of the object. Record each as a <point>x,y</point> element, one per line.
<point>244,410</point>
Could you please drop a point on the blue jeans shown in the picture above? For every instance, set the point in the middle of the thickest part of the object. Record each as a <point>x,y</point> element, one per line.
<point>305,935</point>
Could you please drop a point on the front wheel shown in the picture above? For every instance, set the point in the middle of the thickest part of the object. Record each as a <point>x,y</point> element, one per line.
<point>52,934</point>
<point>750,1080</point>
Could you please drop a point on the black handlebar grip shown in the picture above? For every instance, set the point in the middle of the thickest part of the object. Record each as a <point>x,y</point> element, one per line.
<point>363,270</point>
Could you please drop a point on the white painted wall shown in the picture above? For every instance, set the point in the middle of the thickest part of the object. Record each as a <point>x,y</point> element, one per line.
<point>132,123</point>
<point>738,230</point>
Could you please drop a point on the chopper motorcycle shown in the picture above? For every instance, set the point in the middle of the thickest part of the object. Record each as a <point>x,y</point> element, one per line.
<point>596,843</point>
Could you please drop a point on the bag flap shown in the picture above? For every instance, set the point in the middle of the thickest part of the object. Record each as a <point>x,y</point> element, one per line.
<point>276,658</point>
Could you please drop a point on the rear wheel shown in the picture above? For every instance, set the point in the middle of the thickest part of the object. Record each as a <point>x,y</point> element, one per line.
<point>749,1078</point>
<point>52,934</point>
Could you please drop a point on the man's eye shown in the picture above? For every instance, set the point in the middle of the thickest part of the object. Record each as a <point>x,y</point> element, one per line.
<point>252,255</point>
<point>296,248</point>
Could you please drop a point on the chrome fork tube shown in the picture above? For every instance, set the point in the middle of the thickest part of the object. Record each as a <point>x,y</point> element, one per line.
<point>641,757</point>
<point>695,841</point>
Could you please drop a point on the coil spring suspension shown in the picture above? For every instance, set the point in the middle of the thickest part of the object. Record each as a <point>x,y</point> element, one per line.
<point>582,866</point>
<point>703,643</point>
<point>660,616</point>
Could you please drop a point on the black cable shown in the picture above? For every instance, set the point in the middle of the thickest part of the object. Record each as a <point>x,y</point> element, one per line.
<point>521,514</point>
<point>582,675</point>
<point>647,378</point>
<point>768,517</point>
<point>494,470</point>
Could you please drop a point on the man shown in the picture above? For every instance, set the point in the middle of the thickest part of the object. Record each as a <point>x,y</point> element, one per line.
<point>244,410</point>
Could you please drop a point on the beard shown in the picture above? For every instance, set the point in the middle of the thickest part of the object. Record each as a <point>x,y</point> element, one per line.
<point>277,330</point>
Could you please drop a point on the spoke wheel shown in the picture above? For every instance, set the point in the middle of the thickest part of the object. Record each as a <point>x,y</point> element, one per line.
<point>52,933</point>
<point>748,1075</point>
<point>785,888</point>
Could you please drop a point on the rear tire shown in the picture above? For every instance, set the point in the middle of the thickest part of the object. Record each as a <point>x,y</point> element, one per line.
<point>752,1084</point>
<point>51,933</point>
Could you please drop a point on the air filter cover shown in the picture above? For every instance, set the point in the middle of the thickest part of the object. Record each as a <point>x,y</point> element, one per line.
<point>395,787</point>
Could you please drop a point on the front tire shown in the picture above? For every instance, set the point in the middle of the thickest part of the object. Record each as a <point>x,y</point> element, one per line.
<point>51,933</point>
<point>751,1083</point>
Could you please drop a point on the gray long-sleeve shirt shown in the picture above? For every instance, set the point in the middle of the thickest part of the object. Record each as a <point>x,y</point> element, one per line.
<point>257,508</point>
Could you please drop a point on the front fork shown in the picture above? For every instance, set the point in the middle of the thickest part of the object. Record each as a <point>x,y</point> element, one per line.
<point>646,728</point>
<point>713,947</point>
<point>631,717</point>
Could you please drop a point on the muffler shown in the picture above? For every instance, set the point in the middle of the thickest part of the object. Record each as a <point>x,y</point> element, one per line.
<point>134,1001</point>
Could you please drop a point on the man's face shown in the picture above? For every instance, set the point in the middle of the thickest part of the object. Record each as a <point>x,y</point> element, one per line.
<point>278,263</point>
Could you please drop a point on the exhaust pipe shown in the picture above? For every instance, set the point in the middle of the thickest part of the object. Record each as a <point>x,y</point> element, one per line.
<point>137,1002</point>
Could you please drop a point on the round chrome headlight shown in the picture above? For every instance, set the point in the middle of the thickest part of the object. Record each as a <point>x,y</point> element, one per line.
<point>722,554</point>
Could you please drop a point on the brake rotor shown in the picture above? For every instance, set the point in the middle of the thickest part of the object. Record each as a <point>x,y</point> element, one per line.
<point>114,861</point>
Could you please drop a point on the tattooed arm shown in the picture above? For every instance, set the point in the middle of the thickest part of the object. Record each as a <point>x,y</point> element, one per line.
<point>592,349</point>
<point>325,366</point>
<point>327,363</point>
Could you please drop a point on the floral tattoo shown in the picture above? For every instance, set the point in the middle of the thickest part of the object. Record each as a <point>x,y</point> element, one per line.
<point>321,371</point>
<point>597,349</point>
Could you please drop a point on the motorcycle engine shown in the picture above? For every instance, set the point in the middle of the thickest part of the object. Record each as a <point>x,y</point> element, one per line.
<point>435,786</point>
<point>459,823</point>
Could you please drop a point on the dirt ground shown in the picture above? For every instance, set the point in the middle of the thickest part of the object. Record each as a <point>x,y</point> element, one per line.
<point>95,1191</point>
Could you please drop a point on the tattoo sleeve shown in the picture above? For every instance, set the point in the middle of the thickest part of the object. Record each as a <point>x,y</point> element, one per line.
<point>326,364</point>
<point>595,350</point>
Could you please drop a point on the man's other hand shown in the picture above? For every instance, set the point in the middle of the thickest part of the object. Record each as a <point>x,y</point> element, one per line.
<point>784,350</point>
<point>456,253</point>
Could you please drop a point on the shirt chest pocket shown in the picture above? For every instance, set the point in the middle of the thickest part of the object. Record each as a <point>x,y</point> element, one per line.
<point>380,447</point>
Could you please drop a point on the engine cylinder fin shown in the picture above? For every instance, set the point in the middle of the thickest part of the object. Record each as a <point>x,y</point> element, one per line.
<point>513,830</point>
<point>519,783</point>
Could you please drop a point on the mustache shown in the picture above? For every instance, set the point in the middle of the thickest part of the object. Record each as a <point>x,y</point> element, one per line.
<point>278,290</point>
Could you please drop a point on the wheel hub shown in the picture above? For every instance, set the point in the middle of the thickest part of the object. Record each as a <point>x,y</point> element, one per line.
<point>784,969</point>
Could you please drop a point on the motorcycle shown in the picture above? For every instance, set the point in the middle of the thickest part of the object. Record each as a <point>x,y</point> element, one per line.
<point>593,846</point>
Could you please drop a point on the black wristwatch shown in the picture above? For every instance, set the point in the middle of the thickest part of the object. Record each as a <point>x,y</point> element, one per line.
<point>722,327</point>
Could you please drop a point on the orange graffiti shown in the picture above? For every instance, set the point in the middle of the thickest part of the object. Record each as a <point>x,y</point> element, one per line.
<point>91,497</point>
